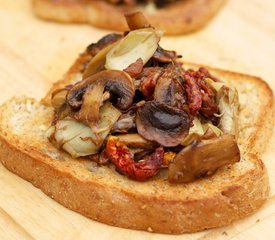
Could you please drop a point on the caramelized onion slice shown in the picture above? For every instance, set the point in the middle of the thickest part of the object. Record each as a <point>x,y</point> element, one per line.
<point>203,158</point>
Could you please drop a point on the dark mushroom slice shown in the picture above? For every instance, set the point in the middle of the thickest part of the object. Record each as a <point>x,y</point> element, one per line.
<point>59,98</point>
<point>203,158</point>
<point>136,20</point>
<point>162,123</point>
<point>164,56</point>
<point>95,48</point>
<point>89,93</point>
<point>169,89</point>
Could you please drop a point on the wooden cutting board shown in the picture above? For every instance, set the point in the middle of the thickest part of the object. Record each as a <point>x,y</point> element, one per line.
<point>33,54</point>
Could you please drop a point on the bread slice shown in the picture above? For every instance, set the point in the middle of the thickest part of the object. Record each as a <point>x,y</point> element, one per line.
<point>102,194</point>
<point>180,17</point>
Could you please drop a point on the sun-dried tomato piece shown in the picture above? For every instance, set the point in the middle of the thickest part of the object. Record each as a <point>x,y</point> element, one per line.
<point>194,97</point>
<point>149,79</point>
<point>135,69</point>
<point>200,95</point>
<point>209,107</point>
<point>123,159</point>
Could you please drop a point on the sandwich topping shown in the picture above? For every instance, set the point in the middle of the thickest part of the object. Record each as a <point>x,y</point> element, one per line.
<point>138,108</point>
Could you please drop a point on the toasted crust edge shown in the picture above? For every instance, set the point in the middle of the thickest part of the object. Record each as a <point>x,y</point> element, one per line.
<point>178,18</point>
<point>126,210</point>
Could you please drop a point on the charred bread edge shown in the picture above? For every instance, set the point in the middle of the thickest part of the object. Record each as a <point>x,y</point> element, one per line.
<point>181,17</point>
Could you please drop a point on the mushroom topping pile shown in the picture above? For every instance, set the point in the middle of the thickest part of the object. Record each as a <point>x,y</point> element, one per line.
<point>139,109</point>
<point>88,95</point>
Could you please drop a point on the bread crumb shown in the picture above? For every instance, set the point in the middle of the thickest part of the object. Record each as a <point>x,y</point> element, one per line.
<point>42,127</point>
<point>29,106</point>
<point>143,206</point>
<point>149,229</point>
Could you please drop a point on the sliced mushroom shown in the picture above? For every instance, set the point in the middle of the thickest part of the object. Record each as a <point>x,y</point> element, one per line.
<point>95,48</point>
<point>169,89</point>
<point>162,123</point>
<point>203,158</point>
<point>164,56</point>
<point>228,104</point>
<point>136,20</point>
<point>88,94</point>
<point>134,140</point>
<point>59,98</point>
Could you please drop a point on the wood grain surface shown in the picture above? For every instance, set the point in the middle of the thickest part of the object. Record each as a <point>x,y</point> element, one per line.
<point>34,53</point>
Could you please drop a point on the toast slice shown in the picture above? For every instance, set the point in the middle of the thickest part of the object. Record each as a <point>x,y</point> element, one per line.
<point>178,17</point>
<point>102,194</point>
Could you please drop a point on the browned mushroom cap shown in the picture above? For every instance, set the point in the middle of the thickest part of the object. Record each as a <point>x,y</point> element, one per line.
<point>203,158</point>
<point>169,89</point>
<point>136,20</point>
<point>88,94</point>
<point>162,123</point>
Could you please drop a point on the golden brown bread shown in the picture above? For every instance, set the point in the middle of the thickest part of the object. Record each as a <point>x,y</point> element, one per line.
<point>106,196</point>
<point>177,18</point>
<point>102,194</point>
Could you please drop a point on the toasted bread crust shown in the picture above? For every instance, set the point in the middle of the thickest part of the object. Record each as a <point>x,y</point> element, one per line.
<point>160,208</point>
<point>177,18</point>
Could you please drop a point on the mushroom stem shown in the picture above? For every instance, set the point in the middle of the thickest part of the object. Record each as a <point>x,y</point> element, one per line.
<point>88,94</point>
<point>203,158</point>
<point>136,20</point>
